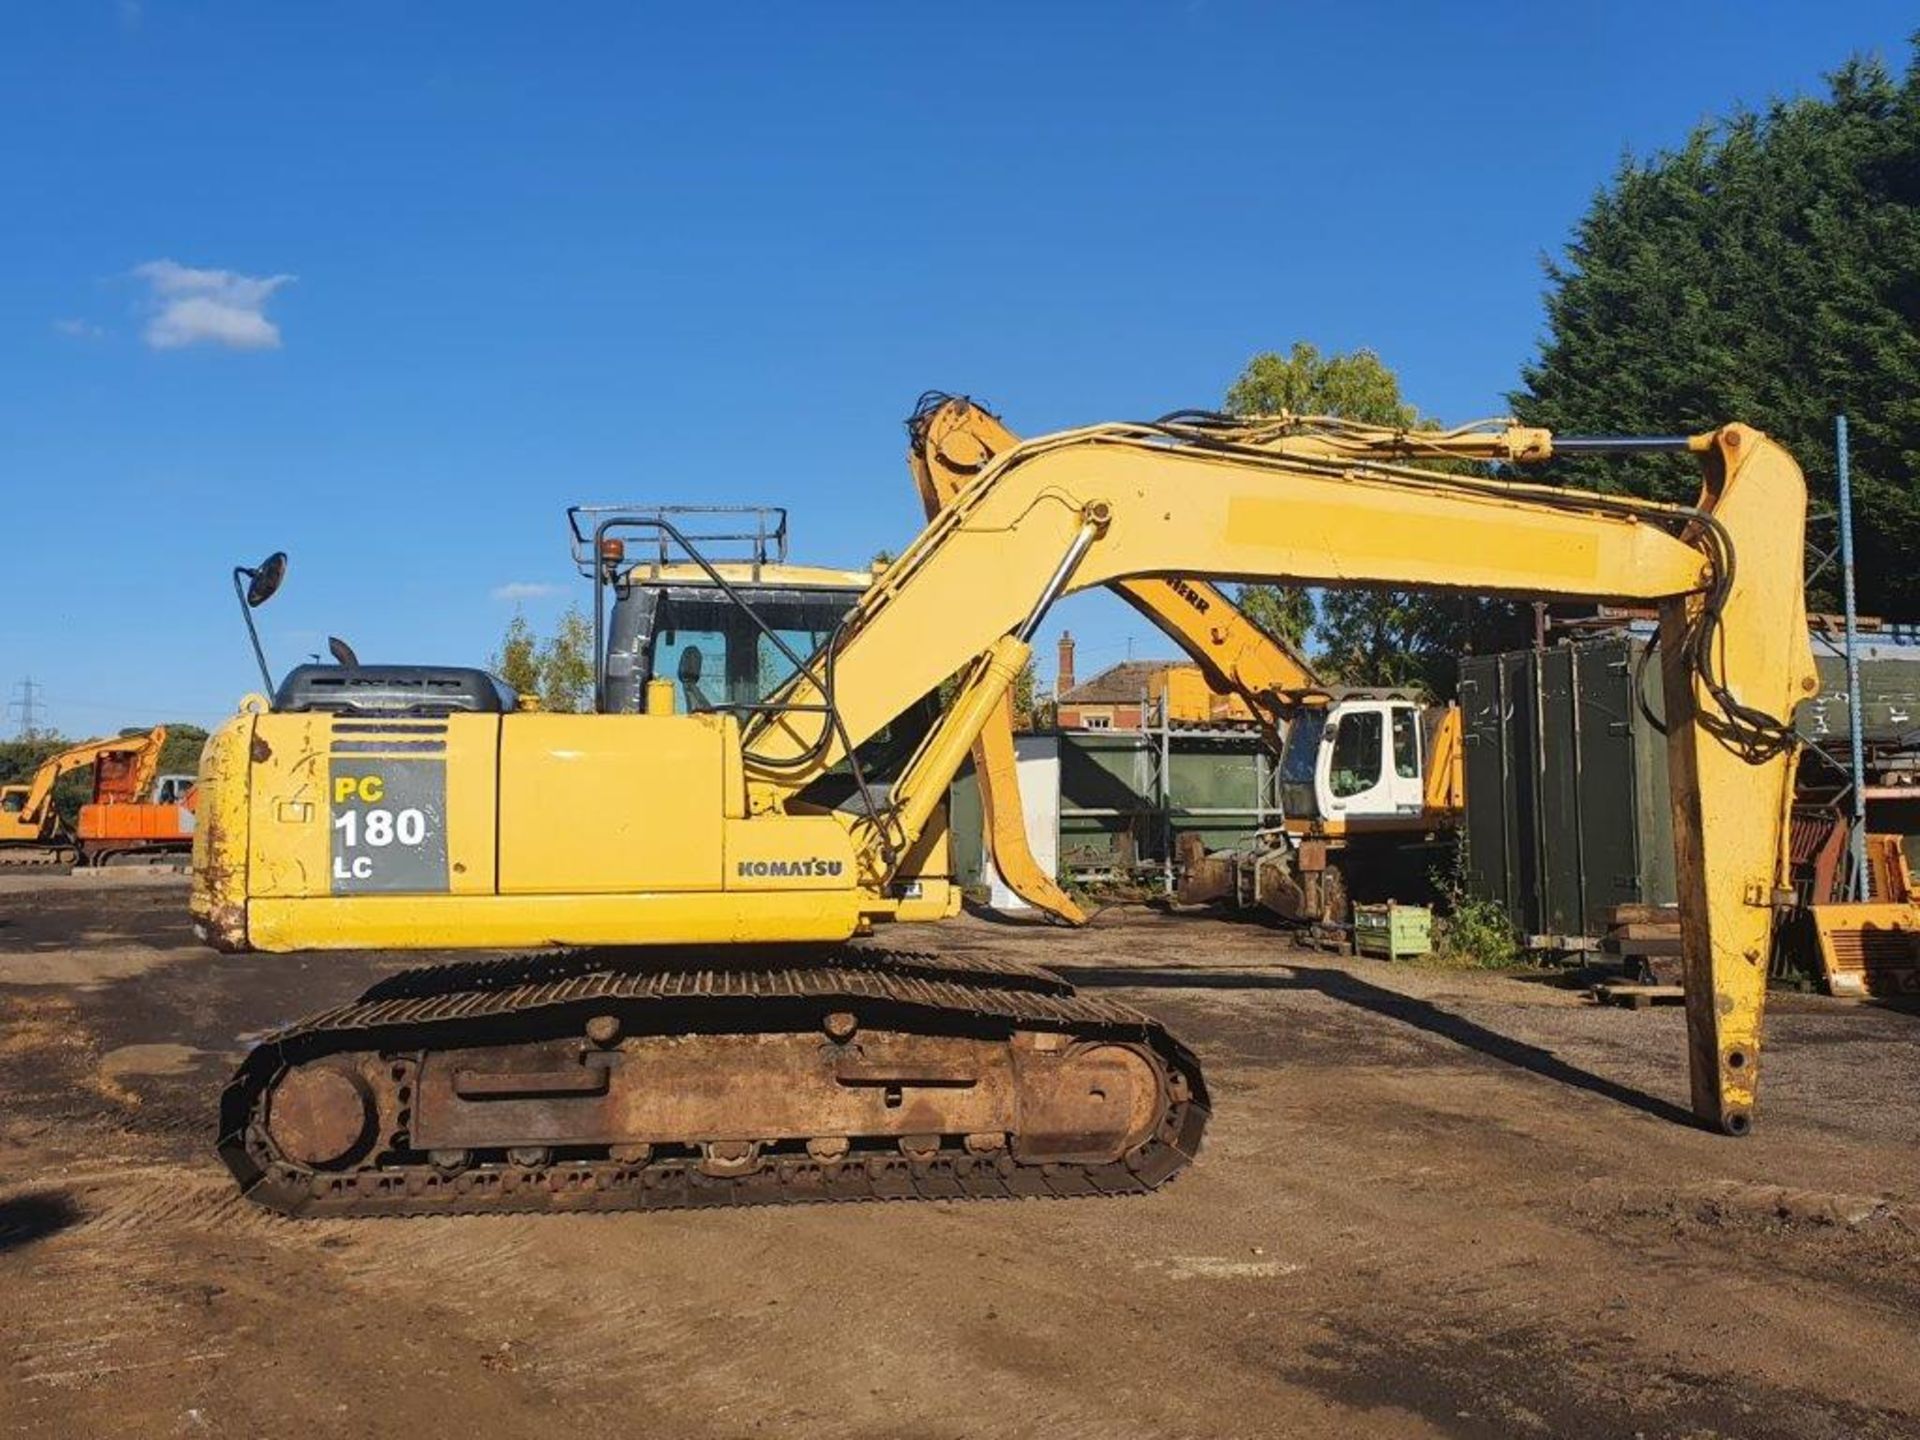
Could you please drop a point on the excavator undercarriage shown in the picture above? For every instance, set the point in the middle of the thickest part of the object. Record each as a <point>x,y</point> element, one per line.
<point>600,1081</point>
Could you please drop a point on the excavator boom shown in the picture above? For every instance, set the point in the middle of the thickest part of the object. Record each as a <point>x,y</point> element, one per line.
<point>951,439</point>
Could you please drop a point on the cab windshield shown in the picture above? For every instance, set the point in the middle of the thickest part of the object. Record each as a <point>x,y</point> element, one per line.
<point>717,657</point>
<point>1297,759</point>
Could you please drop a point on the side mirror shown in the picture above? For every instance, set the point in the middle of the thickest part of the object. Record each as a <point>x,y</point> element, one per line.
<point>691,665</point>
<point>265,579</point>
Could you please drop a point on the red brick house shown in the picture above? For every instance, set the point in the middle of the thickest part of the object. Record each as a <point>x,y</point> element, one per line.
<point>1114,699</point>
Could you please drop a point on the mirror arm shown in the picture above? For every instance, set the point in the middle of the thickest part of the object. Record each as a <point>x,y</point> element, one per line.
<point>253,634</point>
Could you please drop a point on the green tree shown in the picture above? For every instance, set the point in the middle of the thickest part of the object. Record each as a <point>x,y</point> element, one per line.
<point>181,754</point>
<point>1283,610</point>
<point>1354,386</point>
<point>1366,637</point>
<point>1413,637</point>
<point>20,758</point>
<point>517,661</point>
<point>566,664</point>
<point>1026,691</point>
<point>1768,270</point>
<point>556,670</point>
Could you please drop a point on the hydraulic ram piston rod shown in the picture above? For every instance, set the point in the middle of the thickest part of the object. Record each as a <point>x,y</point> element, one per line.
<point>1096,520</point>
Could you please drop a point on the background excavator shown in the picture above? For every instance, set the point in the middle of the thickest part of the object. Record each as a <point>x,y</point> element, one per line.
<point>124,811</point>
<point>150,825</point>
<point>1371,781</point>
<point>759,1061</point>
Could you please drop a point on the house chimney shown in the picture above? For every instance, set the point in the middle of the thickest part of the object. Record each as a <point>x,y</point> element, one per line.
<point>1064,682</point>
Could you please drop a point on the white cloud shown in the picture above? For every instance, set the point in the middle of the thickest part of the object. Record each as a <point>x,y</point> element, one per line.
<point>524,590</point>
<point>209,307</point>
<point>79,329</point>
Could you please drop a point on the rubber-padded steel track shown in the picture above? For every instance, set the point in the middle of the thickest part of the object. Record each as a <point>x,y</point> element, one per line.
<point>538,997</point>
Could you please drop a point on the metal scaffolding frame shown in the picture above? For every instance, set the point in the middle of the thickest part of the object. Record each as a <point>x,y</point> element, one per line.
<point>1159,814</point>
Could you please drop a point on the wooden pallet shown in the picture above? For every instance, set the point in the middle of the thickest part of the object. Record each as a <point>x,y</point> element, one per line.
<point>1637,997</point>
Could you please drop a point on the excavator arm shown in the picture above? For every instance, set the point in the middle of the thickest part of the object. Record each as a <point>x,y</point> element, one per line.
<point>146,763</point>
<point>976,436</point>
<point>1326,502</point>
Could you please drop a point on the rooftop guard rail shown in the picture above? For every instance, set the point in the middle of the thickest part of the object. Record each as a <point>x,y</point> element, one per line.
<point>754,535</point>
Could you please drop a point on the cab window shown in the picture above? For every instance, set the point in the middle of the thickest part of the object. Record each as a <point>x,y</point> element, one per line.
<point>774,668</point>
<point>1406,744</point>
<point>1297,756</point>
<point>1356,753</point>
<point>1297,759</point>
<point>697,662</point>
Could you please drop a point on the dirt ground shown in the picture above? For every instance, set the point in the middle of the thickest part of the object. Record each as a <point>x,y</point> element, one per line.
<point>1430,1203</point>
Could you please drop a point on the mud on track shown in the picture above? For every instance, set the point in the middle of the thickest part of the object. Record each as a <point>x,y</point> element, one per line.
<point>1430,1204</point>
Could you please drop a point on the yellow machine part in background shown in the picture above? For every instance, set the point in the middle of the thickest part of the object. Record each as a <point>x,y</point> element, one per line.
<point>1872,947</point>
<point>1182,695</point>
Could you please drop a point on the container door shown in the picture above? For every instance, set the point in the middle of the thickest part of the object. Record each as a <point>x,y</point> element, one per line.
<point>1489,819</point>
<point>1606,720</point>
<point>1557,756</point>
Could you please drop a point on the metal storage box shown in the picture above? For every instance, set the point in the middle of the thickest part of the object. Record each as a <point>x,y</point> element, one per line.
<point>1393,931</point>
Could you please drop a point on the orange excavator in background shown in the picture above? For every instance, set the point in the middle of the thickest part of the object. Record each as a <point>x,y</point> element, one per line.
<point>1371,780</point>
<point>132,808</point>
<point>156,822</point>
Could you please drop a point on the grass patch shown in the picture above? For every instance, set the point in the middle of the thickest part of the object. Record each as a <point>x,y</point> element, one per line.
<point>1475,933</point>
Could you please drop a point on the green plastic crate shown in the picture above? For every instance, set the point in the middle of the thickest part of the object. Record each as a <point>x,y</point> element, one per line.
<point>1392,931</point>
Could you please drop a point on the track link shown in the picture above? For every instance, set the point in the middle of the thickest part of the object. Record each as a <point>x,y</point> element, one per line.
<point>404,1025</point>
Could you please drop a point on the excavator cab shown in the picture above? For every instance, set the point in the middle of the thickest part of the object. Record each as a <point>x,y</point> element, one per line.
<point>174,789</point>
<point>1360,758</point>
<point>706,599</point>
<point>702,597</point>
<point>686,630</point>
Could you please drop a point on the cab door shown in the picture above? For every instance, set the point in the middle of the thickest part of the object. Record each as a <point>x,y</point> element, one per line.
<point>1371,761</point>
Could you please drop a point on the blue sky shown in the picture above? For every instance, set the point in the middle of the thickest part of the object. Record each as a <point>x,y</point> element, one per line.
<point>389,285</point>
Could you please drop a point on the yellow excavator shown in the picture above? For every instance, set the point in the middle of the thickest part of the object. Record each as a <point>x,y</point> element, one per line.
<point>31,831</point>
<point>1371,780</point>
<point>689,1027</point>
